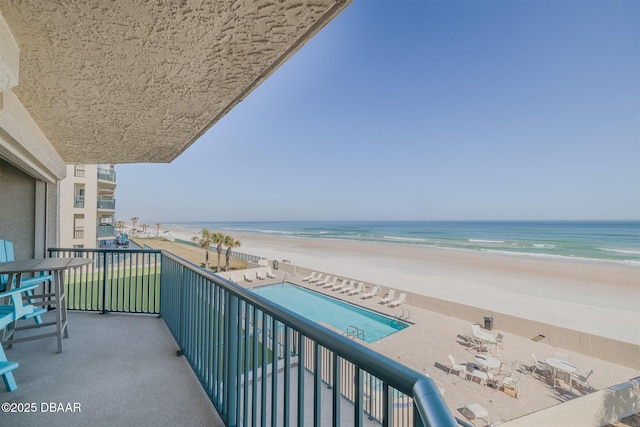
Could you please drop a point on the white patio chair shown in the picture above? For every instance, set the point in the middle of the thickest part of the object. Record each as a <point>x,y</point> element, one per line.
<point>544,369</point>
<point>583,380</point>
<point>352,285</point>
<point>309,277</point>
<point>499,339</point>
<point>331,284</point>
<point>512,383</point>
<point>457,367</point>
<point>399,301</point>
<point>316,279</point>
<point>270,274</point>
<point>372,293</point>
<point>340,285</point>
<point>323,281</point>
<point>482,376</point>
<point>356,290</point>
<point>389,297</point>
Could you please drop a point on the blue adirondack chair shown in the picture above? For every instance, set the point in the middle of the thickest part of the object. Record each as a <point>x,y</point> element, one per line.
<point>6,254</point>
<point>9,313</point>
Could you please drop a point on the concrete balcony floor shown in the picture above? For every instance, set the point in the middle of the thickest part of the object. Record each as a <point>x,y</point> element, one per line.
<point>120,369</point>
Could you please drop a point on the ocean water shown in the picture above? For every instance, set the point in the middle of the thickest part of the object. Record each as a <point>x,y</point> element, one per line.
<point>614,241</point>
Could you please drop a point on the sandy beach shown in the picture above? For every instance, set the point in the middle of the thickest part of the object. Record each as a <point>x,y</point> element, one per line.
<point>600,298</point>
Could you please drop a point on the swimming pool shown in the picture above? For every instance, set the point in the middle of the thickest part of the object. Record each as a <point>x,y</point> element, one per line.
<point>324,309</point>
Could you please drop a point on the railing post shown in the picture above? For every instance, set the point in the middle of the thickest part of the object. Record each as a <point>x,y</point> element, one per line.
<point>336,389</point>
<point>182,309</point>
<point>104,282</point>
<point>358,412</point>
<point>230,358</point>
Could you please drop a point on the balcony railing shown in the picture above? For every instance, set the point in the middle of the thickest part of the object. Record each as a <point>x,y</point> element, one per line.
<point>78,202</point>
<point>235,340</point>
<point>106,175</point>
<point>105,230</point>
<point>107,204</point>
<point>78,233</point>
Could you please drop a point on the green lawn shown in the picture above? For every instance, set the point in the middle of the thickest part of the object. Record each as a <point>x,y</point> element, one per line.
<point>128,289</point>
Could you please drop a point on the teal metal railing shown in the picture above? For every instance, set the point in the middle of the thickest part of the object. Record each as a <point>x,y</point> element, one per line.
<point>236,340</point>
<point>119,280</point>
<point>259,363</point>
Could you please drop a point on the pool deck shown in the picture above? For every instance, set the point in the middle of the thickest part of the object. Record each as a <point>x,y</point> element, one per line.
<point>426,344</point>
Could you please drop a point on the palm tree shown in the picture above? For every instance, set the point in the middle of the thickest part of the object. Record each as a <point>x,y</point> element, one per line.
<point>230,243</point>
<point>134,220</point>
<point>218,239</point>
<point>205,240</point>
<point>158,229</point>
<point>120,225</point>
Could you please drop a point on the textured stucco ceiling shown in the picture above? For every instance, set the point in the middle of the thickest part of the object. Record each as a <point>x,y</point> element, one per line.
<point>139,81</point>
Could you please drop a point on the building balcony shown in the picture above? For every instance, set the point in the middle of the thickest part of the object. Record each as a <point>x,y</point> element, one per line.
<point>105,231</point>
<point>107,204</point>
<point>106,175</point>
<point>119,369</point>
<point>78,233</point>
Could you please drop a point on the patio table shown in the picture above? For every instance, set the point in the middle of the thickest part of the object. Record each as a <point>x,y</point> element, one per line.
<point>562,366</point>
<point>57,266</point>
<point>488,362</point>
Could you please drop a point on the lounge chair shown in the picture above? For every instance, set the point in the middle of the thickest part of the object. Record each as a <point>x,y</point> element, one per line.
<point>389,297</point>
<point>323,281</point>
<point>247,278</point>
<point>357,290</point>
<point>270,274</point>
<point>372,293</point>
<point>399,301</point>
<point>260,275</point>
<point>316,279</point>
<point>340,285</point>
<point>352,285</point>
<point>332,283</point>
<point>309,277</point>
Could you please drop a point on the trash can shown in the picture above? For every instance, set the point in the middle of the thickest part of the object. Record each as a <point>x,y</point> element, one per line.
<point>275,264</point>
<point>488,323</point>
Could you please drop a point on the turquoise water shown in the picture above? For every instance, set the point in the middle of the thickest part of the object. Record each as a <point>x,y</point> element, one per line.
<point>617,241</point>
<point>323,309</point>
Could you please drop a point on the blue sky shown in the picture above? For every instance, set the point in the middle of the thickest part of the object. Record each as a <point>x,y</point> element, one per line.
<point>425,110</point>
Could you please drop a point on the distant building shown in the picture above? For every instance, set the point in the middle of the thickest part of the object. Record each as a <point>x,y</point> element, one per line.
<point>87,206</point>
